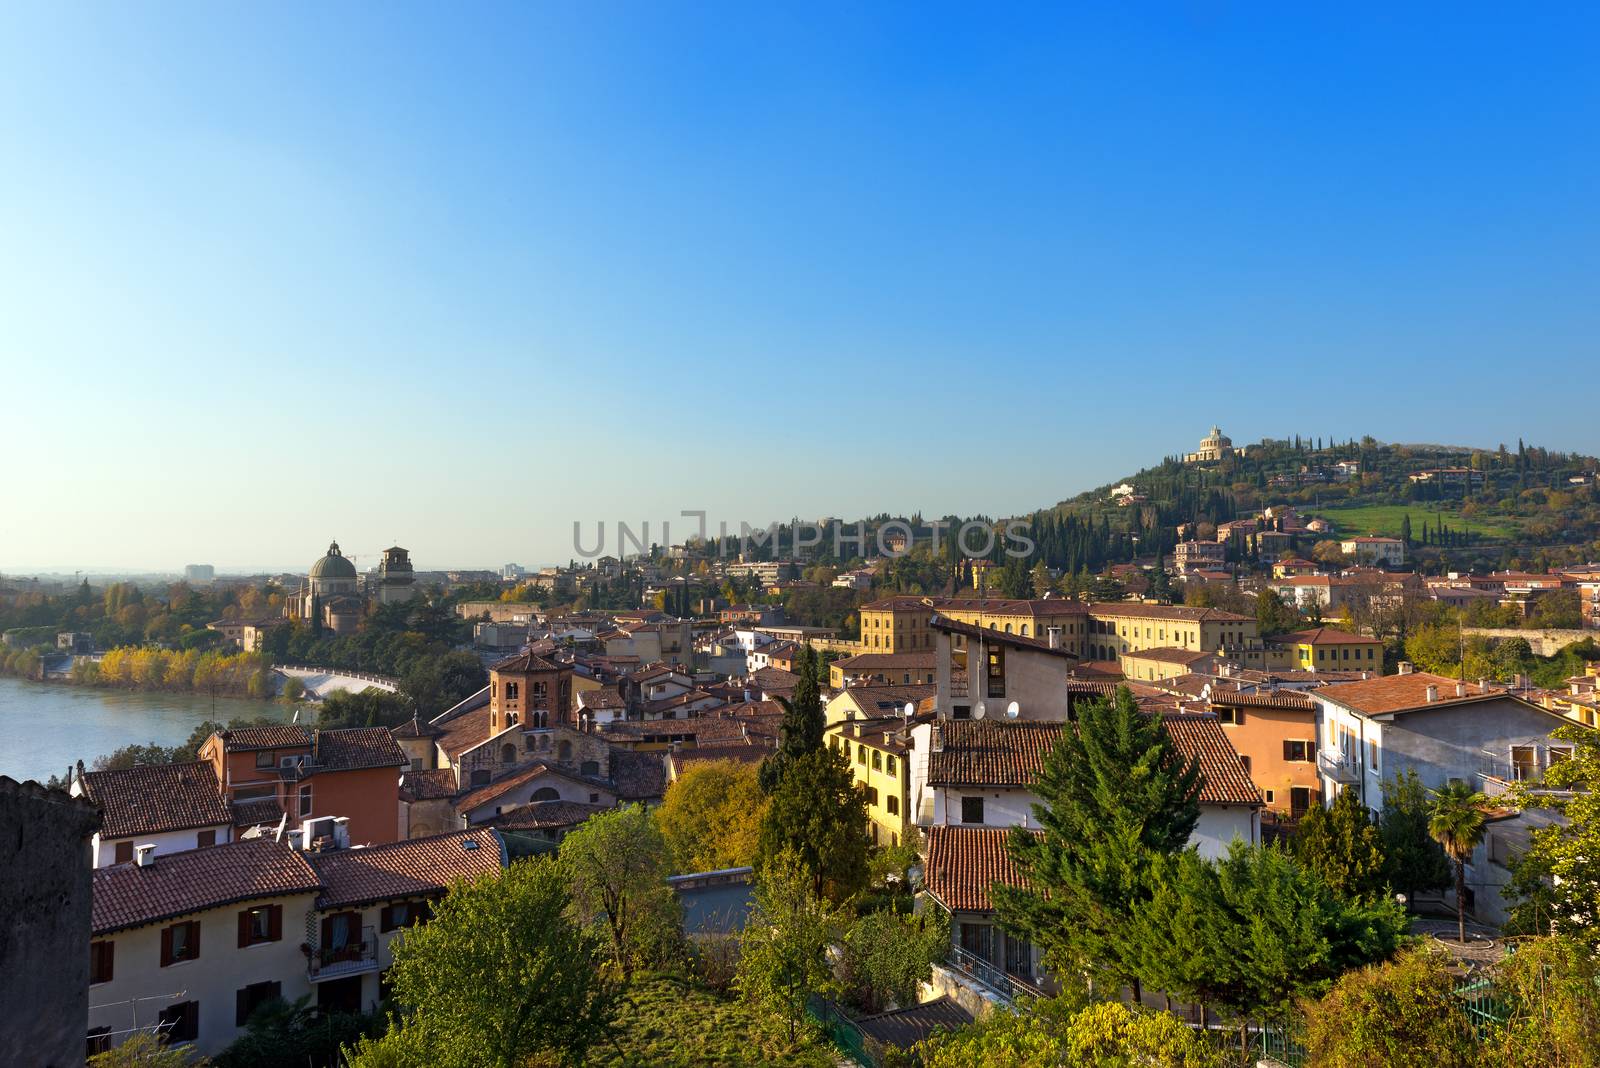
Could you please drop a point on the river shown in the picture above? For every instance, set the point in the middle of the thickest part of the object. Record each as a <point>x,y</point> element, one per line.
<point>47,726</point>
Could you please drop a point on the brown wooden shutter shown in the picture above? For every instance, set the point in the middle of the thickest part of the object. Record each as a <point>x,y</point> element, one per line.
<point>1286,755</point>
<point>194,941</point>
<point>166,946</point>
<point>241,1007</point>
<point>244,928</point>
<point>386,918</point>
<point>124,853</point>
<point>275,922</point>
<point>327,931</point>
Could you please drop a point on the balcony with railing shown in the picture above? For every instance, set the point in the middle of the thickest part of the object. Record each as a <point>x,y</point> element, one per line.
<point>1339,766</point>
<point>990,976</point>
<point>337,962</point>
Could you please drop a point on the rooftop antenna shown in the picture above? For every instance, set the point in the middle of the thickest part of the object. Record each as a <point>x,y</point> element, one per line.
<point>1013,710</point>
<point>910,710</point>
<point>980,711</point>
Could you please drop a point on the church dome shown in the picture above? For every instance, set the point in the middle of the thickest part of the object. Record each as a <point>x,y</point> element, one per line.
<point>334,565</point>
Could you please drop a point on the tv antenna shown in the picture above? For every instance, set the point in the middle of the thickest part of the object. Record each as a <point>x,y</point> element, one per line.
<point>980,711</point>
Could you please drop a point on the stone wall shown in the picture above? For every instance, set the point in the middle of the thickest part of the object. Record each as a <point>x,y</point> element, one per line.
<point>45,897</point>
<point>1544,642</point>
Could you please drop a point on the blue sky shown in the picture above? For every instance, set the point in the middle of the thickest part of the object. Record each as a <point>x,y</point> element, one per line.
<point>460,277</point>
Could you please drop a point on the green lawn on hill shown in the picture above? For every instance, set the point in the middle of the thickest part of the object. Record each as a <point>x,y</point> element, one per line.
<point>1385,519</point>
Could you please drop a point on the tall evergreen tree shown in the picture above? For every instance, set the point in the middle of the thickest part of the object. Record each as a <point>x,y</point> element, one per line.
<point>1412,860</point>
<point>1341,844</point>
<point>1114,794</point>
<point>819,813</point>
<point>803,721</point>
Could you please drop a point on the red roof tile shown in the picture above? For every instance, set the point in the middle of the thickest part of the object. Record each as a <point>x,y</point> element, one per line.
<point>963,862</point>
<point>354,748</point>
<point>421,866</point>
<point>153,798</point>
<point>179,884</point>
<point>1404,693</point>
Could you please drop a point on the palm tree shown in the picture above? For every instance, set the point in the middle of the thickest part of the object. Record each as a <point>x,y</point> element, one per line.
<point>1456,820</point>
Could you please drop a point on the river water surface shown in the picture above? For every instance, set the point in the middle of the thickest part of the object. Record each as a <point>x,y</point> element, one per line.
<point>46,726</point>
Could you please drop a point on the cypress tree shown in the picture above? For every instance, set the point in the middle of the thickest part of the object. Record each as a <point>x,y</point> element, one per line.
<point>1342,844</point>
<point>803,721</point>
<point>1114,795</point>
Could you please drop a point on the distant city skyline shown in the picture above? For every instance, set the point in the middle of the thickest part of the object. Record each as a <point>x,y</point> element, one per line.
<point>458,279</point>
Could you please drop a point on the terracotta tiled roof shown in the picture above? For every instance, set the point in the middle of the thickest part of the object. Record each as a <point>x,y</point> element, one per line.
<point>260,811</point>
<point>153,798</point>
<point>428,785</point>
<point>465,731</point>
<point>521,777</point>
<point>1181,613</point>
<point>963,862</point>
<point>1201,738</point>
<point>524,662</point>
<point>775,680</point>
<point>1009,606</point>
<point>1169,655</point>
<point>543,814</point>
<point>886,700</point>
<point>277,736</point>
<point>1320,636</point>
<point>1405,693</point>
<point>178,884</point>
<point>415,728</point>
<point>638,776</point>
<point>421,866</point>
<point>743,752</point>
<point>984,753</point>
<point>1293,699</point>
<point>354,748</point>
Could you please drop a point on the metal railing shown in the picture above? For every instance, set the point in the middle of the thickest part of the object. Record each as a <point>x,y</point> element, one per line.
<point>1336,766</point>
<point>990,975</point>
<point>353,958</point>
<point>842,1031</point>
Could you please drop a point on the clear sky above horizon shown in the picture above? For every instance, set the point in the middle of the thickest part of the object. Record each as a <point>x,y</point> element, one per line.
<point>456,277</point>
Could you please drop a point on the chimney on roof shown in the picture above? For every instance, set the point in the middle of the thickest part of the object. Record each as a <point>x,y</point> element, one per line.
<point>144,855</point>
<point>938,739</point>
<point>1053,635</point>
<point>1483,685</point>
<point>1523,682</point>
<point>1432,694</point>
<point>1403,668</point>
<point>1461,689</point>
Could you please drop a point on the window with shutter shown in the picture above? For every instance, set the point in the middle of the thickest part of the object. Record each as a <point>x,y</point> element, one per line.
<point>252,997</point>
<point>180,942</point>
<point>180,1022</point>
<point>102,954</point>
<point>124,853</point>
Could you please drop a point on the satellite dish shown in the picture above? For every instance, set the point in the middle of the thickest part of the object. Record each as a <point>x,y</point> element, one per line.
<point>980,711</point>
<point>910,710</point>
<point>1013,710</point>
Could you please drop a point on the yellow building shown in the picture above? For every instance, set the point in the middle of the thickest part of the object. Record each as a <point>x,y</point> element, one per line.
<point>896,625</point>
<point>1324,649</point>
<point>1117,628</point>
<point>1154,665</point>
<point>903,669</point>
<point>900,624</point>
<point>879,751</point>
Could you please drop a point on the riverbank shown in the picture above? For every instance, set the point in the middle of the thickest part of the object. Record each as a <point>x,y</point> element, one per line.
<point>50,726</point>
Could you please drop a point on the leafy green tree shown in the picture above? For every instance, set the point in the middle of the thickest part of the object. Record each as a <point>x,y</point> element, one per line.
<point>1549,991</point>
<point>819,814</point>
<point>1273,616</point>
<point>1457,822</point>
<point>1341,844</point>
<point>1059,1033</point>
<point>1255,930</point>
<point>281,1032</point>
<point>617,866</point>
<point>145,1050</point>
<point>1412,861</point>
<point>886,957</point>
<point>1559,874</point>
<point>1113,795</point>
<point>711,816</point>
<point>1403,1014</point>
<point>783,949</point>
<point>502,974</point>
